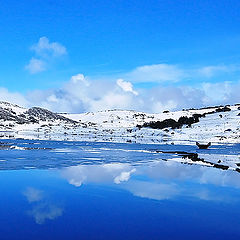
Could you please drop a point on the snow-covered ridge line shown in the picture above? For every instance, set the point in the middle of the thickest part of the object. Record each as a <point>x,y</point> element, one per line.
<point>20,115</point>
<point>215,124</point>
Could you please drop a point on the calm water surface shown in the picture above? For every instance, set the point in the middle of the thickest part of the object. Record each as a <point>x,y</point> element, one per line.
<point>82,190</point>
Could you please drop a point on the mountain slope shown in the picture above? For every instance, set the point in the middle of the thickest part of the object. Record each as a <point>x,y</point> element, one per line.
<point>215,124</point>
<point>19,115</point>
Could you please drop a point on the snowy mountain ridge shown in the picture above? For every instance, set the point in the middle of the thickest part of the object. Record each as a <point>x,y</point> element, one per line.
<point>216,124</point>
<point>13,112</point>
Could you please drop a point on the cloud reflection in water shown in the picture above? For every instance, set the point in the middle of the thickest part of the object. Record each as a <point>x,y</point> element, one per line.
<point>158,180</point>
<point>105,173</point>
<point>42,208</point>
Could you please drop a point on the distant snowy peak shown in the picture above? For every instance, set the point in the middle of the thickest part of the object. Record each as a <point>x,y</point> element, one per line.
<point>20,115</point>
<point>7,104</point>
<point>12,107</point>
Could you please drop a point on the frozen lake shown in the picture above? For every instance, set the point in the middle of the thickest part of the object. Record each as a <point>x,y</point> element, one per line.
<point>84,190</point>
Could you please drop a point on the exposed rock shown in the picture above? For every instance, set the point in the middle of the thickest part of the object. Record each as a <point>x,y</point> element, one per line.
<point>32,115</point>
<point>37,113</point>
<point>9,115</point>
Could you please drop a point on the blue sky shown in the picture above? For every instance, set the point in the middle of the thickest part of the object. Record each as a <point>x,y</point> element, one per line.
<point>181,43</point>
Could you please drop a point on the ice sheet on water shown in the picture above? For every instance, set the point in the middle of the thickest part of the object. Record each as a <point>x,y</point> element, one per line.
<point>25,154</point>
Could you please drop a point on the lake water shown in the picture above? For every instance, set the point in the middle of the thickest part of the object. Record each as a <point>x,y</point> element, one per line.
<point>84,190</point>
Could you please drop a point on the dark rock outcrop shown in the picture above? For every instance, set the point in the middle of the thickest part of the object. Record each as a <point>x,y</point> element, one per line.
<point>9,115</point>
<point>32,115</point>
<point>42,114</point>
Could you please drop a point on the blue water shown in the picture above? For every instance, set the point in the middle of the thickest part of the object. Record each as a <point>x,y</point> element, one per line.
<point>83,190</point>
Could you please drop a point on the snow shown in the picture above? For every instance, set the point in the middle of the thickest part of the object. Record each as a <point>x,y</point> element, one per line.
<point>17,109</point>
<point>121,126</point>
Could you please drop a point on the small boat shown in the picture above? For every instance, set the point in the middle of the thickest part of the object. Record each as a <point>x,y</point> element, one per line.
<point>203,146</point>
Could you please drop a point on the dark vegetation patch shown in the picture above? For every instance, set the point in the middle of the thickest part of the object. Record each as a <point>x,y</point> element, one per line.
<point>171,123</point>
<point>184,120</point>
<point>213,107</point>
<point>223,109</point>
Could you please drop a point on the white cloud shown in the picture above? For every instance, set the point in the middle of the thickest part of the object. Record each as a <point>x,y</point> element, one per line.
<point>126,86</point>
<point>173,98</point>
<point>159,106</point>
<point>210,71</point>
<point>220,92</point>
<point>156,73</point>
<point>36,65</point>
<point>80,94</point>
<point>46,49</point>
<point>79,78</point>
<point>45,52</point>
<point>111,100</point>
<point>169,73</point>
<point>83,94</point>
<point>13,97</point>
<point>52,98</point>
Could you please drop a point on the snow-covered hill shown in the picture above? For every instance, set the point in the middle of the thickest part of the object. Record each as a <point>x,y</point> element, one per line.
<point>216,124</point>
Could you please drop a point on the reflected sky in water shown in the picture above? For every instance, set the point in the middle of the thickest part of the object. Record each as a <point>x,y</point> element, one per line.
<point>113,199</point>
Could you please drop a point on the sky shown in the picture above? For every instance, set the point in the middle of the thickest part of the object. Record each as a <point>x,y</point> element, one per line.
<point>77,56</point>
